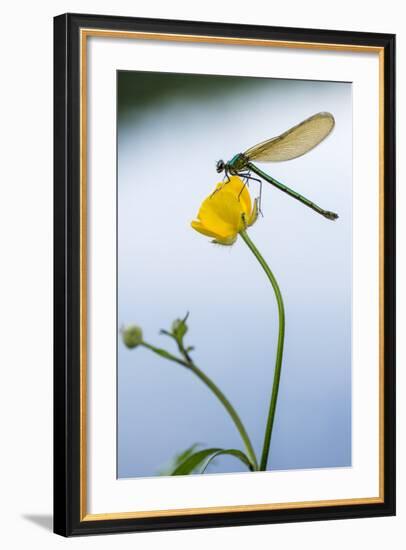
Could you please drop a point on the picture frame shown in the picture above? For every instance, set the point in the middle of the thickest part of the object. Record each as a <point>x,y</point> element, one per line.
<point>75,386</point>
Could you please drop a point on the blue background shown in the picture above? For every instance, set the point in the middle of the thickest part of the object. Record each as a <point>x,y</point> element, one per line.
<point>171,131</point>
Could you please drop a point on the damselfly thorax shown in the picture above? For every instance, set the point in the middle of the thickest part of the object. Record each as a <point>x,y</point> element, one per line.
<point>293,143</point>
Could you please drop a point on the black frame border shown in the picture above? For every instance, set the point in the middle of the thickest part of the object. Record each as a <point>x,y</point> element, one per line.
<point>67,521</point>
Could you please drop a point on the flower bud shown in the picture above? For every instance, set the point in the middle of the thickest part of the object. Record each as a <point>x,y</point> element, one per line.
<point>179,328</point>
<point>132,336</point>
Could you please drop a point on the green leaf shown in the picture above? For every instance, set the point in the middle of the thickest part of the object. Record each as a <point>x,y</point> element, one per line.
<point>233,452</point>
<point>194,461</point>
<point>206,456</point>
<point>181,457</point>
<point>163,331</point>
<point>178,459</point>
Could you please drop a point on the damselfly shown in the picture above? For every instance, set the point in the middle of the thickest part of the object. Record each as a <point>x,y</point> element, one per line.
<point>291,144</point>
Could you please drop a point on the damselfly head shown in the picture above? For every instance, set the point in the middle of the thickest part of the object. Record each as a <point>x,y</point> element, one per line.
<point>220,166</point>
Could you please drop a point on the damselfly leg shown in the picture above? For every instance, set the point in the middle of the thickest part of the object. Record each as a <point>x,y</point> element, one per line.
<point>247,176</point>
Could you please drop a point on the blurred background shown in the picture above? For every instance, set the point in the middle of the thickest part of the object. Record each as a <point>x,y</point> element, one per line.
<point>172,129</point>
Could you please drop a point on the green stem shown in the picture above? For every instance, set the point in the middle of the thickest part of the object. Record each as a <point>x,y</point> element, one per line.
<point>217,392</point>
<point>279,352</point>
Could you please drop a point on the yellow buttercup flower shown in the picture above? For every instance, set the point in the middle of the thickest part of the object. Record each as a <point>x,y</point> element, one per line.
<point>226,212</point>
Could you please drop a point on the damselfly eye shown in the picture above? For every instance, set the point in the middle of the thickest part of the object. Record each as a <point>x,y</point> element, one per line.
<point>220,166</point>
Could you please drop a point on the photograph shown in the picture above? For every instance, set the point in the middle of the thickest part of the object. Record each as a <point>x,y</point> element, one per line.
<point>202,249</point>
<point>234,274</point>
<point>224,265</point>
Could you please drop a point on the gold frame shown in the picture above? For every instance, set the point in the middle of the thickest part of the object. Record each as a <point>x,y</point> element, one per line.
<point>84,34</point>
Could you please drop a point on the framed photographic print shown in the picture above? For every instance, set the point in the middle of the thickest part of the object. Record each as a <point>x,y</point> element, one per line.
<point>224,274</point>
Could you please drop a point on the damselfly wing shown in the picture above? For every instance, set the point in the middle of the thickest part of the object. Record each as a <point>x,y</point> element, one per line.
<point>295,142</point>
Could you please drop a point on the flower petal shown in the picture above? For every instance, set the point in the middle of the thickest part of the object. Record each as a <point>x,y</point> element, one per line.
<point>198,226</point>
<point>221,213</point>
<point>228,241</point>
<point>240,190</point>
<point>226,212</point>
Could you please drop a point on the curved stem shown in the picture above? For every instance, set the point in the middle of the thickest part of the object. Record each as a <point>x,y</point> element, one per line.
<point>231,411</point>
<point>279,352</point>
<point>217,392</point>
